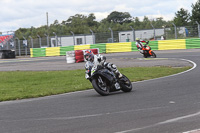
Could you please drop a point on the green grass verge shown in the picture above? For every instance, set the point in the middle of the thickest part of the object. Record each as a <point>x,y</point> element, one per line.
<point>28,84</point>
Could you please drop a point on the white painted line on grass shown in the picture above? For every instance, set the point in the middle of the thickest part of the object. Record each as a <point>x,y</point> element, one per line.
<point>194,66</point>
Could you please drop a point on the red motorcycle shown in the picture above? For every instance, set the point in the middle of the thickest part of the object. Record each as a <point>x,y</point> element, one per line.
<point>147,52</point>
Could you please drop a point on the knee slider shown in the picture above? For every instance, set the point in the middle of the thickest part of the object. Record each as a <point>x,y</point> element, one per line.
<point>114,66</point>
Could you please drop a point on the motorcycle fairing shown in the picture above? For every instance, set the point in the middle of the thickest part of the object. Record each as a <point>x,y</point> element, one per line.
<point>106,74</point>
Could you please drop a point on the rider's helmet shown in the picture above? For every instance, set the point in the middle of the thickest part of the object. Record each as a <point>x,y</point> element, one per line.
<point>89,56</point>
<point>137,39</point>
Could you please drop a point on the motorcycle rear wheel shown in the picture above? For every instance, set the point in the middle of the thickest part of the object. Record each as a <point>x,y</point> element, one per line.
<point>102,89</point>
<point>125,83</point>
<point>145,54</point>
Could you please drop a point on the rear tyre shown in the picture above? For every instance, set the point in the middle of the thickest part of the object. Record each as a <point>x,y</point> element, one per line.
<point>125,83</point>
<point>101,87</point>
<point>145,54</point>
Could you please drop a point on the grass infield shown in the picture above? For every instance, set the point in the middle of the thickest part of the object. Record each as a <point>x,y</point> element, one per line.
<point>16,85</point>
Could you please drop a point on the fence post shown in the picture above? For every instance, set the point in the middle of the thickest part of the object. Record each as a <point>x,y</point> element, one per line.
<point>111,34</point>
<point>93,37</point>
<point>47,39</point>
<point>56,37</point>
<point>31,41</point>
<point>18,46</point>
<point>133,33</point>
<point>154,32</point>
<point>198,28</point>
<point>175,30</point>
<point>73,36</point>
<point>39,40</point>
<point>25,45</point>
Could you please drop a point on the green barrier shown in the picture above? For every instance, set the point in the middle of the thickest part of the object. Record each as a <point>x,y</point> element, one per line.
<point>192,43</point>
<point>101,47</point>
<point>63,50</point>
<point>133,46</point>
<point>153,45</point>
<point>38,52</point>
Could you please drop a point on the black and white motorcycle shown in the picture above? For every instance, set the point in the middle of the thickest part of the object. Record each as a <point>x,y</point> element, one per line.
<point>104,81</point>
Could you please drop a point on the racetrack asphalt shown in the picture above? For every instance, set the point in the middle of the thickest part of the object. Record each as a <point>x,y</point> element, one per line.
<point>164,105</point>
<point>130,59</point>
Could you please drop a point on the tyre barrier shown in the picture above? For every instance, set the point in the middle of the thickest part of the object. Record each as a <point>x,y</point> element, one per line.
<point>78,55</point>
<point>95,51</point>
<point>70,57</point>
<point>7,54</point>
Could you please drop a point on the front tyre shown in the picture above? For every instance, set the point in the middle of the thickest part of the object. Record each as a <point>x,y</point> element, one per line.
<point>153,54</point>
<point>125,83</point>
<point>100,85</point>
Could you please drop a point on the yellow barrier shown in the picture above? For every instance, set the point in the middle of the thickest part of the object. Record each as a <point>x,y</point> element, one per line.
<point>31,52</point>
<point>171,44</point>
<point>118,47</point>
<point>53,51</point>
<point>81,47</point>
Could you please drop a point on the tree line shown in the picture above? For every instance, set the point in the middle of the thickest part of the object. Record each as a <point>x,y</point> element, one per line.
<point>117,21</point>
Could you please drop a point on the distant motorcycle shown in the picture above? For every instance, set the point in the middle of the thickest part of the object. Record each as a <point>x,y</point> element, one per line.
<point>104,81</point>
<point>147,52</point>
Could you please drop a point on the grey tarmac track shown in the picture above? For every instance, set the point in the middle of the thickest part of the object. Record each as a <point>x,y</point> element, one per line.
<point>131,59</point>
<point>165,105</point>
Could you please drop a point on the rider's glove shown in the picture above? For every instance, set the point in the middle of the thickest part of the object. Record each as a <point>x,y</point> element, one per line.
<point>99,59</point>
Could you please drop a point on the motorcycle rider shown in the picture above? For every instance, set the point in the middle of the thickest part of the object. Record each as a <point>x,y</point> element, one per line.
<point>93,61</point>
<point>139,45</point>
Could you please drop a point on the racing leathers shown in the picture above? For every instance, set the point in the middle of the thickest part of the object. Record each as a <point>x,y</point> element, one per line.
<point>139,45</point>
<point>100,60</point>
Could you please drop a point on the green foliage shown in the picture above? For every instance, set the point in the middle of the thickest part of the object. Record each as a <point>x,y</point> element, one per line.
<point>182,17</point>
<point>195,12</point>
<point>119,17</point>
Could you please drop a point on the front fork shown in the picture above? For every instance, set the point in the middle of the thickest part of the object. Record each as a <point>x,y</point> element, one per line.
<point>150,52</point>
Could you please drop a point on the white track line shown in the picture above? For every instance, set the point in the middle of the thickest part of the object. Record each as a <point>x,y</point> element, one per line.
<point>194,66</point>
<point>193,131</point>
<point>91,115</point>
<point>161,123</point>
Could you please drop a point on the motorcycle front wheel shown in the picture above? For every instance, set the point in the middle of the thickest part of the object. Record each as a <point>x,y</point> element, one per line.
<point>100,85</point>
<point>153,54</point>
<point>125,83</point>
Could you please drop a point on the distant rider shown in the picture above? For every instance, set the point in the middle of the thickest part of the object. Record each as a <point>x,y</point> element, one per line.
<point>139,45</point>
<point>94,60</point>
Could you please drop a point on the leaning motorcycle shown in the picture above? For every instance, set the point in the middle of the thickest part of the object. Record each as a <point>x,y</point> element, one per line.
<point>147,52</point>
<point>104,81</point>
